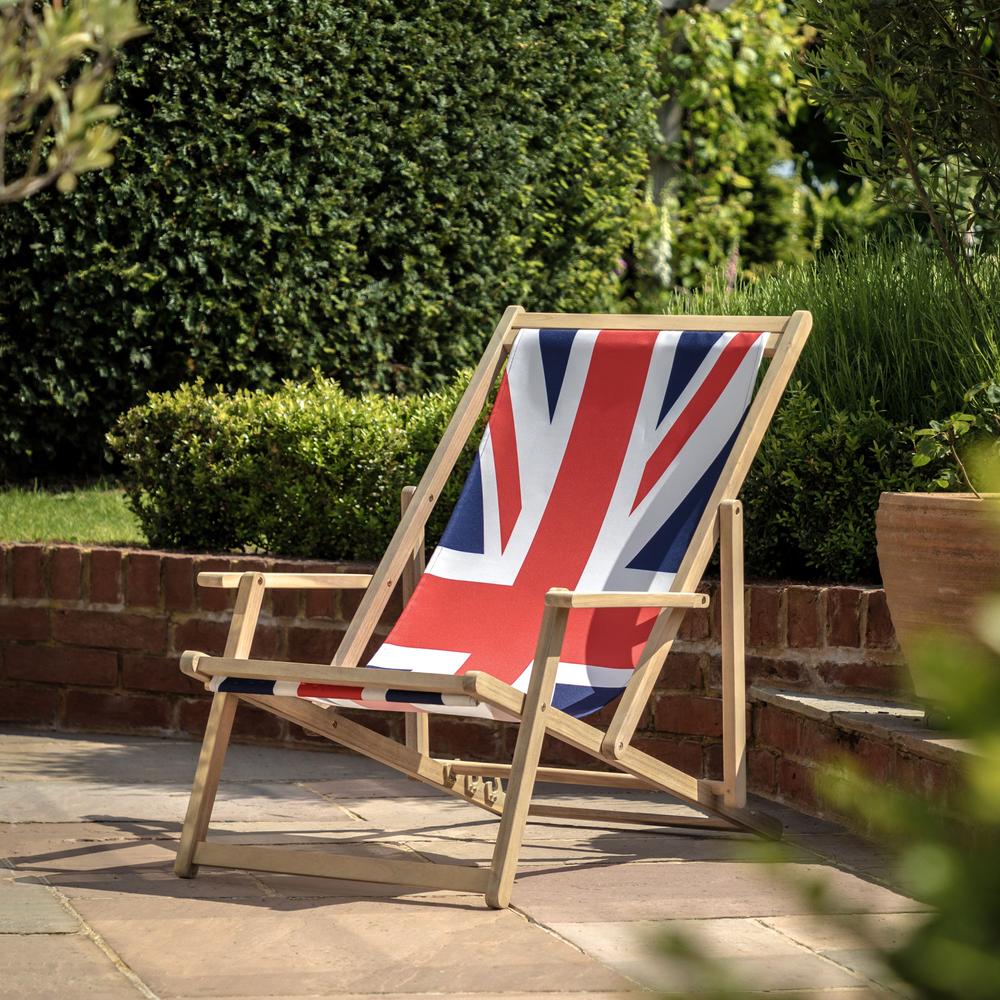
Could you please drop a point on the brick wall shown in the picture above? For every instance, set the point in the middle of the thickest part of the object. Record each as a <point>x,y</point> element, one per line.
<point>90,638</point>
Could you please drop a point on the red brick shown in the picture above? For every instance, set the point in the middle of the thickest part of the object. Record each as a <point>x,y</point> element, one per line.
<point>468,738</point>
<point>213,598</point>
<point>696,625</point>
<point>803,617</point>
<point>390,724</point>
<point>761,769</point>
<point>156,673</point>
<point>843,616</point>
<point>775,669</point>
<point>266,643</point>
<point>110,630</point>
<point>312,644</point>
<point>875,758</point>
<point>105,576</point>
<point>821,743</point>
<point>321,603</point>
<point>712,761</point>
<point>96,710</point>
<point>201,635</point>
<point>776,728</point>
<point>192,714</point>
<point>38,705</point>
<point>178,583</point>
<point>4,562</point>
<point>683,754</point>
<point>62,665</point>
<point>796,784</point>
<point>25,624</point>
<point>555,753</point>
<point>688,714</point>
<point>765,630</point>
<point>254,723</point>
<point>65,572</point>
<point>865,676</point>
<point>27,568</point>
<point>142,580</point>
<point>681,672</point>
<point>286,603</point>
<point>879,631</point>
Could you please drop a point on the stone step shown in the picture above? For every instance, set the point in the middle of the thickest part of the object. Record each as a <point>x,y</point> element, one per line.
<point>795,733</point>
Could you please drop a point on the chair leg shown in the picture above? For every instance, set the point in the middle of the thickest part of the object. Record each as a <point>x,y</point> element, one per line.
<point>734,689</point>
<point>206,782</point>
<point>525,764</point>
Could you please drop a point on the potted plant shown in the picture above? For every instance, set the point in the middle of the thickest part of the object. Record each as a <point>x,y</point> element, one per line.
<point>939,552</point>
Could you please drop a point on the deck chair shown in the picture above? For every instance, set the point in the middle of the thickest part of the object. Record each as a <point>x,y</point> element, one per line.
<point>610,466</point>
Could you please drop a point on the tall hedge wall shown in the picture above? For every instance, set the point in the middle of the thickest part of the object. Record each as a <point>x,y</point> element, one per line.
<point>354,187</point>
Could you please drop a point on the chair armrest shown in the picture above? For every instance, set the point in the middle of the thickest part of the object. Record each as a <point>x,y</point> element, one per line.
<point>557,598</point>
<point>291,581</point>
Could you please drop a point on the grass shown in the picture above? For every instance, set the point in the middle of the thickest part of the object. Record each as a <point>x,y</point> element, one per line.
<point>891,324</point>
<point>91,514</point>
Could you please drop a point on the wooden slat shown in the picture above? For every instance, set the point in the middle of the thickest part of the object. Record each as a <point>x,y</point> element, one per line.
<point>325,864</point>
<point>291,581</point>
<point>417,723</point>
<point>648,321</point>
<point>323,673</point>
<point>412,523</point>
<point>623,816</point>
<point>689,574</point>
<point>734,687</point>
<point>623,599</point>
<point>537,708</point>
<point>552,775</point>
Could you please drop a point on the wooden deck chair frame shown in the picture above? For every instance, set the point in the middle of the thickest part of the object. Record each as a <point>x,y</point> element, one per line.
<point>721,804</point>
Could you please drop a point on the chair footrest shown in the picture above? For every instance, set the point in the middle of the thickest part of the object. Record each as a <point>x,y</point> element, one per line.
<point>347,866</point>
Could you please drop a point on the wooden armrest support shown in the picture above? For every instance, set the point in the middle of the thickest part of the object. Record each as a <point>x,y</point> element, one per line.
<point>557,598</point>
<point>291,581</point>
<point>203,667</point>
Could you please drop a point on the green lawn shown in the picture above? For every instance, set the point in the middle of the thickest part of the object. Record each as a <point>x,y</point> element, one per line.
<point>88,514</point>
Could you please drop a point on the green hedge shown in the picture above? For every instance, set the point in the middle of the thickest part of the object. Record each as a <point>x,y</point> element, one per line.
<point>311,471</point>
<point>354,187</point>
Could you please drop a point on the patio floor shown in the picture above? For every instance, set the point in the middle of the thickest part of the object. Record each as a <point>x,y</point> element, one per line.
<point>89,906</point>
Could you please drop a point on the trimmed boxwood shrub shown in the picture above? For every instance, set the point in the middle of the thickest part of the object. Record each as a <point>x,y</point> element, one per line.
<point>354,187</point>
<point>304,471</point>
<point>311,471</point>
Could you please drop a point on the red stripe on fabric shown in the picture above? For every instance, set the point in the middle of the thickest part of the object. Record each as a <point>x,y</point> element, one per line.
<point>504,441</point>
<point>497,624</point>
<point>705,397</point>
<point>350,692</point>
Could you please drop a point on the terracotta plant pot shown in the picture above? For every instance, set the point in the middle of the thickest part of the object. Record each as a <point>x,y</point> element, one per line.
<point>939,554</point>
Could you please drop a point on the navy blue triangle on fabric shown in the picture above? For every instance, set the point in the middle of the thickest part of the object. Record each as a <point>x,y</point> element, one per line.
<point>555,347</point>
<point>465,527</point>
<point>692,348</point>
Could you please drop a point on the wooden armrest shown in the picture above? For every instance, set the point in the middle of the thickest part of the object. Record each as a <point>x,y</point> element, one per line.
<point>291,581</point>
<point>557,598</point>
<point>201,667</point>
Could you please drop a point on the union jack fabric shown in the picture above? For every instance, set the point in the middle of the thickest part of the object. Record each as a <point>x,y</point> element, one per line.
<point>602,450</point>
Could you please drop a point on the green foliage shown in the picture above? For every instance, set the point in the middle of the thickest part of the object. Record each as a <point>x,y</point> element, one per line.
<point>730,75</point>
<point>358,188</point>
<point>890,323</point>
<point>976,428</point>
<point>914,87</point>
<point>813,490</point>
<point>55,63</point>
<point>304,471</point>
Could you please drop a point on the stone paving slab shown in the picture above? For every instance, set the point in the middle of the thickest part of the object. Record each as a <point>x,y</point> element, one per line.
<point>30,908</point>
<point>98,818</point>
<point>751,954</point>
<point>209,948</point>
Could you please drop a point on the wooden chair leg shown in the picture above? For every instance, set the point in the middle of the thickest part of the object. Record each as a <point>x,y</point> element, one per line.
<point>220,725</point>
<point>417,723</point>
<point>206,782</point>
<point>525,764</point>
<point>734,690</point>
